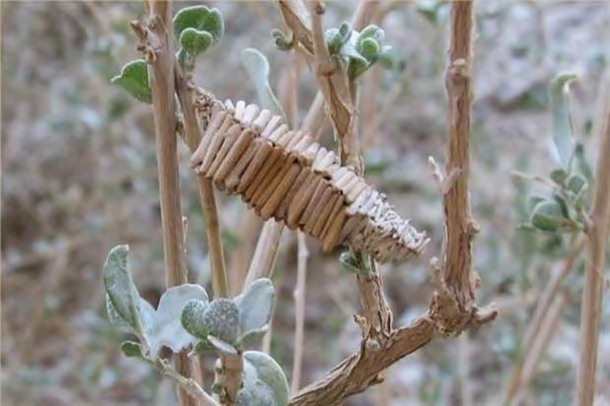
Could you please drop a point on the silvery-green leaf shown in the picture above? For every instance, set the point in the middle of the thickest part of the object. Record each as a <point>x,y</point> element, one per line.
<point>348,50</point>
<point>577,185</point>
<point>252,338</point>
<point>255,306</point>
<point>583,163</point>
<point>221,317</point>
<point>257,66</point>
<point>547,216</point>
<point>200,18</point>
<point>389,60</point>
<point>221,345</point>
<point>269,372</point>
<point>195,41</point>
<point>114,317</point>
<point>435,11</point>
<point>134,80</point>
<point>559,176</point>
<point>562,123</point>
<point>369,49</point>
<point>120,288</point>
<point>147,315</point>
<point>202,346</point>
<point>372,31</point>
<point>167,329</point>
<point>132,349</point>
<point>336,37</point>
<point>281,41</point>
<point>533,201</point>
<point>192,318</point>
<point>256,394</point>
<point>349,262</point>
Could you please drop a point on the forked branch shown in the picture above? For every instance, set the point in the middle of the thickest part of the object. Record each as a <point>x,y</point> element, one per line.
<point>453,307</point>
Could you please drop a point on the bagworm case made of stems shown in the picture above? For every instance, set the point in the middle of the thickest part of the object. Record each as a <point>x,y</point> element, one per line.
<point>286,175</point>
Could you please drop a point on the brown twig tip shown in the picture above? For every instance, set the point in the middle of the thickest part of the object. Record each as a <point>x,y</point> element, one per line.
<point>139,29</point>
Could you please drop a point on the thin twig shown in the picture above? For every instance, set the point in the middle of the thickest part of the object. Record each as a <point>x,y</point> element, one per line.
<point>299,301</point>
<point>540,344</point>
<point>204,187</point>
<point>516,382</point>
<point>460,228</point>
<point>161,59</point>
<point>597,233</point>
<point>186,384</point>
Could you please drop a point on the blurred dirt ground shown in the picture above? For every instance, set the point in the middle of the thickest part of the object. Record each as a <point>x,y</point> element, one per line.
<point>79,177</point>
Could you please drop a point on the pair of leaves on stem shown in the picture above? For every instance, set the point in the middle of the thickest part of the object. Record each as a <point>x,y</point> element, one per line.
<point>230,324</point>
<point>196,29</point>
<point>185,317</point>
<point>561,212</point>
<point>361,50</point>
<point>222,323</point>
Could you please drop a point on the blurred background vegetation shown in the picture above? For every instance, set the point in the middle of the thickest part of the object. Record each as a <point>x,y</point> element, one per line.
<point>79,177</point>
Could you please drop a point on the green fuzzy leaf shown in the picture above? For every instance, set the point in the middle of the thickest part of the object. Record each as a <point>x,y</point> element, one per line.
<point>221,317</point>
<point>257,66</point>
<point>252,338</point>
<point>200,18</point>
<point>434,11</point>
<point>548,216</point>
<point>122,292</point>
<point>269,372</point>
<point>337,37</point>
<point>192,318</point>
<point>583,163</point>
<point>349,262</point>
<point>255,306</point>
<point>282,42</point>
<point>562,123</point>
<point>115,318</point>
<point>221,345</point>
<point>201,347</point>
<point>132,349</point>
<point>256,394</point>
<point>577,184</point>
<point>369,49</point>
<point>195,41</point>
<point>559,176</point>
<point>371,32</point>
<point>134,80</point>
<point>533,201</point>
<point>163,327</point>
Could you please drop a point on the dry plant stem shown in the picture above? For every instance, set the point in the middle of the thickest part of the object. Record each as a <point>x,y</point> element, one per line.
<point>363,369</point>
<point>297,21</point>
<point>539,346</point>
<point>188,385</point>
<point>161,59</point>
<point>460,228</point>
<point>540,315</point>
<point>333,83</point>
<point>299,299</point>
<point>231,374</point>
<point>464,352</point>
<point>265,253</point>
<point>449,312</point>
<point>205,189</point>
<point>590,315</point>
